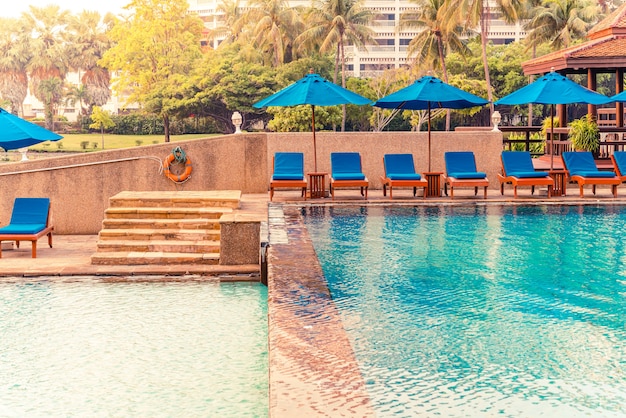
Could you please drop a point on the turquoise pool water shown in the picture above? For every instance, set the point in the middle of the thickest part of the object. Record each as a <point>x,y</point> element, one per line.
<point>133,350</point>
<point>514,311</point>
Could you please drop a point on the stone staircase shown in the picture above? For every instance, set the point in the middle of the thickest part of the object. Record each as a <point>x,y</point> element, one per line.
<point>180,227</point>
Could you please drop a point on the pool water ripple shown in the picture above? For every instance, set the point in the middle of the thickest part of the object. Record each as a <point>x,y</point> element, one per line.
<point>474,311</point>
<point>158,350</point>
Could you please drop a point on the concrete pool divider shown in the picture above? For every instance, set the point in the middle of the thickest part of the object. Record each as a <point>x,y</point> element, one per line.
<point>313,371</point>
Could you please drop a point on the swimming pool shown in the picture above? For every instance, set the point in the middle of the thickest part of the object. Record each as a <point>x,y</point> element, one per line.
<point>481,310</point>
<point>93,349</point>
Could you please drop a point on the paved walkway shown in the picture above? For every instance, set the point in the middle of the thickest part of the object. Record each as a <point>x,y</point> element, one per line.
<point>71,254</point>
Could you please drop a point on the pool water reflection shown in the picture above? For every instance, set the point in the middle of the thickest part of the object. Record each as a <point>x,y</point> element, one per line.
<point>481,310</point>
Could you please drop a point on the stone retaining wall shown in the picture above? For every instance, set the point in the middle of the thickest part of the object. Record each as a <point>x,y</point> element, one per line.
<point>80,185</point>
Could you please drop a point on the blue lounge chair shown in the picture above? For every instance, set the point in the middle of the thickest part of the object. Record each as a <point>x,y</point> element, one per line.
<point>582,169</point>
<point>619,163</point>
<point>461,172</point>
<point>30,220</point>
<point>400,172</point>
<point>346,171</point>
<point>288,172</point>
<point>518,169</point>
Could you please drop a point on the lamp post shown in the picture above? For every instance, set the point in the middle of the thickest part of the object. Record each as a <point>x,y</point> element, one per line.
<point>237,119</point>
<point>496,119</point>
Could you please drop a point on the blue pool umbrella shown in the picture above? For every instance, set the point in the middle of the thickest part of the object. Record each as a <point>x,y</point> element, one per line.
<point>620,97</point>
<point>312,90</point>
<point>16,132</point>
<point>553,89</point>
<point>430,92</point>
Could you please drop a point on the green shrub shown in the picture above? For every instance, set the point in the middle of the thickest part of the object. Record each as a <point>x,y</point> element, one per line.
<point>584,134</point>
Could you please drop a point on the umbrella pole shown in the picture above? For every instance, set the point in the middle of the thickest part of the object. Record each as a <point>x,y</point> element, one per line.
<point>428,136</point>
<point>551,137</point>
<point>314,145</point>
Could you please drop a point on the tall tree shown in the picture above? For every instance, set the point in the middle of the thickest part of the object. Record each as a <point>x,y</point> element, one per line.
<point>431,45</point>
<point>477,13</point>
<point>50,92</point>
<point>46,27</point>
<point>561,23</point>
<point>275,25</point>
<point>88,41</point>
<point>155,50</point>
<point>15,54</point>
<point>332,25</point>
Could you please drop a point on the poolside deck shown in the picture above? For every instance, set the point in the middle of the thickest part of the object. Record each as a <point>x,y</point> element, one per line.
<point>71,254</point>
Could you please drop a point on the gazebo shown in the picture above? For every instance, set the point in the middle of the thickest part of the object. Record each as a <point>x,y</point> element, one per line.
<point>603,53</point>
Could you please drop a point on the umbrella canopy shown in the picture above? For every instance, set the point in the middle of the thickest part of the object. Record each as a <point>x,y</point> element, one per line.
<point>16,132</point>
<point>312,90</point>
<point>553,89</point>
<point>620,97</point>
<point>430,92</point>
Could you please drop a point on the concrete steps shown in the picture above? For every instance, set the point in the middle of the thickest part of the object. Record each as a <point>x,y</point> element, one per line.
<point>143,228</point>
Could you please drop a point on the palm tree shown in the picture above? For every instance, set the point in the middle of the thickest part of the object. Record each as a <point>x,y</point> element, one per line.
<point>231,22</point>
<point>436,38</point>
<point>560,23</point>
<point>274,26</point>
<point>14,57</point>
<point>46,26</point>
<point>335,23</point>
<point>477,13</point>
<point>87,33</point>
<point>50,92</point>
<point>332,25</point>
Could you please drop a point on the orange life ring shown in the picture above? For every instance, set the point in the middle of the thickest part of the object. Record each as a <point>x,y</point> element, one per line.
<point>174,177</point>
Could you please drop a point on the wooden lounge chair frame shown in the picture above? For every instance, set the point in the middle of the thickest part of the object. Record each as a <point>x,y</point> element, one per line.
<point>593,181</point>
<point>465,183</point>
<point>363,184</point>
<point>387,182</point>
<point>524,181</point>
<point>287,184</point>
<point>47,230</point>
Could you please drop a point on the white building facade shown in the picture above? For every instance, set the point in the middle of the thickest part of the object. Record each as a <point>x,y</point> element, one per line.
<point>391,50</point>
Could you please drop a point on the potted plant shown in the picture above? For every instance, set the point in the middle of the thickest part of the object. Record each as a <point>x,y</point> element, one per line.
<point>584,134</point>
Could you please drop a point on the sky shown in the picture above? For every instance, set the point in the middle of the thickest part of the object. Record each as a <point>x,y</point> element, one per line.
<point>14,8</point>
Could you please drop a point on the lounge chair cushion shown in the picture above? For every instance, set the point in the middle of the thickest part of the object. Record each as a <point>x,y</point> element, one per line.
<point>620,160</point>
<point>25,229</point>
<point>598,174</point>
<point>528,174</point>
<point>468,175</point>
<point>400,167</point>
<point>288,166</point>
<point>519,164</point>
<point>404,176</point>
<point>582,164</point>
<point>346,166</point>
<point>462,165</point>
<point>348,176</point>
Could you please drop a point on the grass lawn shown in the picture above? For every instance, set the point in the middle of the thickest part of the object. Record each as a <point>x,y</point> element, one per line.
<point>72,142</point>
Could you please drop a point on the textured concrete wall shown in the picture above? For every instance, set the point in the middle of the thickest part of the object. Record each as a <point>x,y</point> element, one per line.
<point>80,185</point>
<point>487,147</point>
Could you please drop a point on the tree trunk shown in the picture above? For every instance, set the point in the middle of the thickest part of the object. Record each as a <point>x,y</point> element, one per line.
<point>444,69</point>
<point>343,84</point>
<point>166,127</point>
<point>484,29</point>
